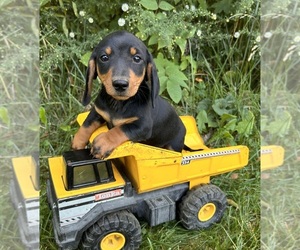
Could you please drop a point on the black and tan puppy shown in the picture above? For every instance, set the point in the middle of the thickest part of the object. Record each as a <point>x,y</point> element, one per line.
<point>128,100</point>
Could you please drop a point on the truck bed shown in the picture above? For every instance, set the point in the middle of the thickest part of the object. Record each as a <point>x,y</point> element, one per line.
<point>150,168</point>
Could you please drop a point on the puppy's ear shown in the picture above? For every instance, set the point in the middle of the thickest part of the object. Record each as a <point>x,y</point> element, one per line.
<point>91,74</point>
<point>152,78</point>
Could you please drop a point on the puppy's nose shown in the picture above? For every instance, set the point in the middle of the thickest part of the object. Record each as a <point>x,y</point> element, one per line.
<point>120,85</point>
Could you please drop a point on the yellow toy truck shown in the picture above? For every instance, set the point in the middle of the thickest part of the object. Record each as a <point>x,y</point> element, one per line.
<point>271,157</point>
<point>24,193</point>
<point>96,203</point>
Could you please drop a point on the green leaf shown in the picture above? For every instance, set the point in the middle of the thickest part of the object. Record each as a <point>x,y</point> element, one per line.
<point>228,122</point>
<point>43,116</point>
<point>202,4</point>
<point>223,6</point>
<point>179,75</point>
<point>85,58</point>
<point>163,5</point>
<point>34,127</point>
<point>159,62</point>
<point>192,32</point>
<point>61,4</point>
<point>153,40</point>
<point>204,104</point>
<point>75,9</point>
<point>281,125</point>
<point>245,126</point>
<point>64,27</point>
<point>162,43</point>
<point>178,81</point>
<point>173,70</point>
<point>42,2</point>
<point>227,117</point>
<point>181,42</point>
<point>202,119</point>
<point>184,64</point>
<point>221,107</point>
<point>163,83</point>
<point>174,91</point>
<point>65,128</point>
<point>149,4</point>
<point>231,125</point>
<point>4,116</point>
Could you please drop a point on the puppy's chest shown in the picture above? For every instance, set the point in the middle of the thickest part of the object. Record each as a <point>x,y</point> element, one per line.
<point>114,120</point>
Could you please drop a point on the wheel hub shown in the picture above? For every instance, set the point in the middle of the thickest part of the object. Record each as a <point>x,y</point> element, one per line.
<point>113,241</point>
<point>207,212</point>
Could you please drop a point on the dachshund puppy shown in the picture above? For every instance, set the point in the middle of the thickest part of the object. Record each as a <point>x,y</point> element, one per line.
<point>128,101</point>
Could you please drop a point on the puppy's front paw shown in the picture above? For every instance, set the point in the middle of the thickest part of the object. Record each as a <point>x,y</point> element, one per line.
<point>102,146</point>
<point>79,142</point>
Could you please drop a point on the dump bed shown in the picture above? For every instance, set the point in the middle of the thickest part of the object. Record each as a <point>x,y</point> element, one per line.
<point>150,168</point>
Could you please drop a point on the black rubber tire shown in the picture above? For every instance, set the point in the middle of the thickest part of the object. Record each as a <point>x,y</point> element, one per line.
<point>196,199</point>
<point>122,222</point>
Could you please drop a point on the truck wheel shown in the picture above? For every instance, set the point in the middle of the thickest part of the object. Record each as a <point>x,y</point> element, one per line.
<point>115,231</point>
<point>203,206</point>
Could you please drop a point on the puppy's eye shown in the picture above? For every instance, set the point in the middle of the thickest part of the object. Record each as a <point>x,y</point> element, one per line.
<point>104,58</point>
<point>137,59</point>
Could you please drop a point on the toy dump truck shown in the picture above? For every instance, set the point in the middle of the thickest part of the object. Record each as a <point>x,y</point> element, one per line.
<point>271,157</point>
<point>24,193</point>
<point>96,203</point>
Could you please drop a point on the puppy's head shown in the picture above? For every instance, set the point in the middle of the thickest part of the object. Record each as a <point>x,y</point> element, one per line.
<point>122,62</point>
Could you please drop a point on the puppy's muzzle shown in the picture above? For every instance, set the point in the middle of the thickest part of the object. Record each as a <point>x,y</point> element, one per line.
<point>120,85</point>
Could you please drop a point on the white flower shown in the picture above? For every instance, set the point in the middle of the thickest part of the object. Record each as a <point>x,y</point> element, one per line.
<point>257,39</point>
<point>237,34</point>
<point>121,22</point>
<point>125,7</point>
<point>268,34</point>
<point>193,8</point>
<point>91,20</point>
<point>72,34</point>
<point>214,16</point>
<point>297,39</point>
<point>199,33</point>
<point>187,7</point>
<point>82,13</point>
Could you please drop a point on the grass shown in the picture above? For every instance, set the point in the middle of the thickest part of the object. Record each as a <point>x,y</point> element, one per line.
<point>280,209</point>
<point>280,100</point>
<point>19,102</point>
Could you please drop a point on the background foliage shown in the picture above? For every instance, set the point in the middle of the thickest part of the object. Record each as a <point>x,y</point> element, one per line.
<point>207,55</point>
<point>280,98</point>
<point>19,102</point>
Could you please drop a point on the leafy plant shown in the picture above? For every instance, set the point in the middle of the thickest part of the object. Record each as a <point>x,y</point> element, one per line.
<point>171,78</point>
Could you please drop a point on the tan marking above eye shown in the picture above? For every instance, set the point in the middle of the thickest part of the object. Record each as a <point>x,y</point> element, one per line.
<point>132,51</point>
<point>108,50</point>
